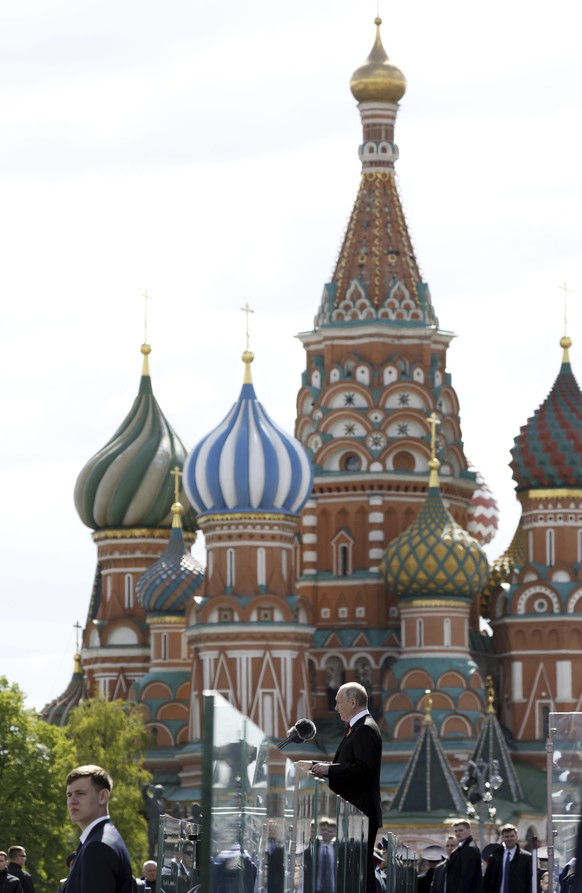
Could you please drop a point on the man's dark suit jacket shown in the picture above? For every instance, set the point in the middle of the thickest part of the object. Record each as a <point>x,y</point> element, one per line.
<point>463,871</point>
<point>424,881</point>
<point>355,776</point>
<point>102,863</point>
<point>438,878</point>
<point>23,876</point>
<point>519,878</point>
<point>355,771</point>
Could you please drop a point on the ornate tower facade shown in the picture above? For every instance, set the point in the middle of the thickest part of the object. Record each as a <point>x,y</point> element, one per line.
<point>536,615</point>
<point>375,370</point>
<point>435,569</point>
<point>250,632</point>
<point>124,494</point>
<point>166,591</point>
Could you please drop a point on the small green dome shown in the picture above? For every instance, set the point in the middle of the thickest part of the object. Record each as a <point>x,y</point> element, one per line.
<point>434,556</point>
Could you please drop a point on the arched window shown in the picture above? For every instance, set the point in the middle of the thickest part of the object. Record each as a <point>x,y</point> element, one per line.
<point>261,567</point>
<point>550,548</point>
<point>230,567</point>
<point>342,545</point>
<point>128,591</point>
<point>164,646</point>
<point>343,560</point>
<point>447,632</point>
<point>352,463</point>
<point>420,633</point>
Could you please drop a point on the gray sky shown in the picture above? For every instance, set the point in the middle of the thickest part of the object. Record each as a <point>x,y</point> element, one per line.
<point>208,153</point>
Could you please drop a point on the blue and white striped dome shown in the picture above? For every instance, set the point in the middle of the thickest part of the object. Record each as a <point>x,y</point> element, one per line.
<point>248,464</point>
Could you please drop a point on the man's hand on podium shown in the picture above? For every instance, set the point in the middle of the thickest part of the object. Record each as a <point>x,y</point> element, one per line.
<point>319,770</point>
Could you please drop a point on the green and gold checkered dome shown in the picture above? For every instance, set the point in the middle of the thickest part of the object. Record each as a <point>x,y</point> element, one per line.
<point>434,556</point>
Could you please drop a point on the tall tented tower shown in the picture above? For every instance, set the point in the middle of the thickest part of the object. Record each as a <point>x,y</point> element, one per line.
<point>251,631</point>
<point>375,370</point>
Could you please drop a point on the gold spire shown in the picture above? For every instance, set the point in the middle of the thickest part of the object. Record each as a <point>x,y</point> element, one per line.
<point>566,344</point>
<point>378,79</point>
<point>427,706</point>
<point>77,657</point>
<point>177,505</point>
<point>248,356</point>
<point>434,464</point>
<point>490,695</point>
<point>565,341</point>
<point>146,351</point>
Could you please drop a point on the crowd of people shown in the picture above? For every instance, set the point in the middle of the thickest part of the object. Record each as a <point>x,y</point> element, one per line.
<point>504,867</point>
<point>101,862</point>
<point>14,878</point>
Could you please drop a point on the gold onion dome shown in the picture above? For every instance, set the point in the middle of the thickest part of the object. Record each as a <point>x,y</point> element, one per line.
<point>378,79</point>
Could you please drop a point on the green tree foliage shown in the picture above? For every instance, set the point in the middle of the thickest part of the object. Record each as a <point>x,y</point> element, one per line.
<point>111,734</point>
<point>33,760</point>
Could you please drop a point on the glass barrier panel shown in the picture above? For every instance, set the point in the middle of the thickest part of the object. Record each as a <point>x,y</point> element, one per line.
<point>178,856</point>
<point>566,784</point>
<point>268,827</point>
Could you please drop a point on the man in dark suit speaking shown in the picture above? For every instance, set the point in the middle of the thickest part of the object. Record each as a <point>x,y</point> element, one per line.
<point>354,773</point>
<point>102,863</point>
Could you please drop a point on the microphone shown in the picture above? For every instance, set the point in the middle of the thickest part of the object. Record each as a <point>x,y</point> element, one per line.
<point>303,730</point>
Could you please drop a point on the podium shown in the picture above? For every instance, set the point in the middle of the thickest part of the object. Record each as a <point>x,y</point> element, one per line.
<point>260,822</point>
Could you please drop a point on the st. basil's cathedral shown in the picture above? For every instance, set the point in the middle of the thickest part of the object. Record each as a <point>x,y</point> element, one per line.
<point>350,551</point>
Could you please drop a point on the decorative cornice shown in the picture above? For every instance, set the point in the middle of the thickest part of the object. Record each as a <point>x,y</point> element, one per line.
<point>433,603</point>
<point>167,619</point>
<point>246,516</point>
<point>151,533</point>
<point>558,493</point>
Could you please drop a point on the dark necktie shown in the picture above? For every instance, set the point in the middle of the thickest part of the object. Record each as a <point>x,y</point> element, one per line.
<point>325,870</point>
<point>505,878</point>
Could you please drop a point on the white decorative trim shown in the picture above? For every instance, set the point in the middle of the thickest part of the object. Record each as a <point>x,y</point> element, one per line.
<point>530,593</point>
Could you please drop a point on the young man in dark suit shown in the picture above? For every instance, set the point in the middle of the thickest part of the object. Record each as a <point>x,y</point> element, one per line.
<point>102,862</point>
<point>509,868</point>
<point>354,773</point>
<point>463,871</point>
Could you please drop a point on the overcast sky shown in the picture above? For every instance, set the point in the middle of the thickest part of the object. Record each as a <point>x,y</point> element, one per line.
<point>207,152</point>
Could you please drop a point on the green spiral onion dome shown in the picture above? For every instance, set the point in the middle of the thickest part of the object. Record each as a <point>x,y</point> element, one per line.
<point>127,484</point>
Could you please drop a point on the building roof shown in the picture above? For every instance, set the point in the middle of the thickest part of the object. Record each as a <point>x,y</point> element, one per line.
<point>57,712</point>
<point>378,79</point>
<point>547,452</point>
<point>491,748</point>
<point>170,582</point>
<point>126,484</point>
<point>434,556</point>
<point>428,783</point>
<point>248,463</point>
